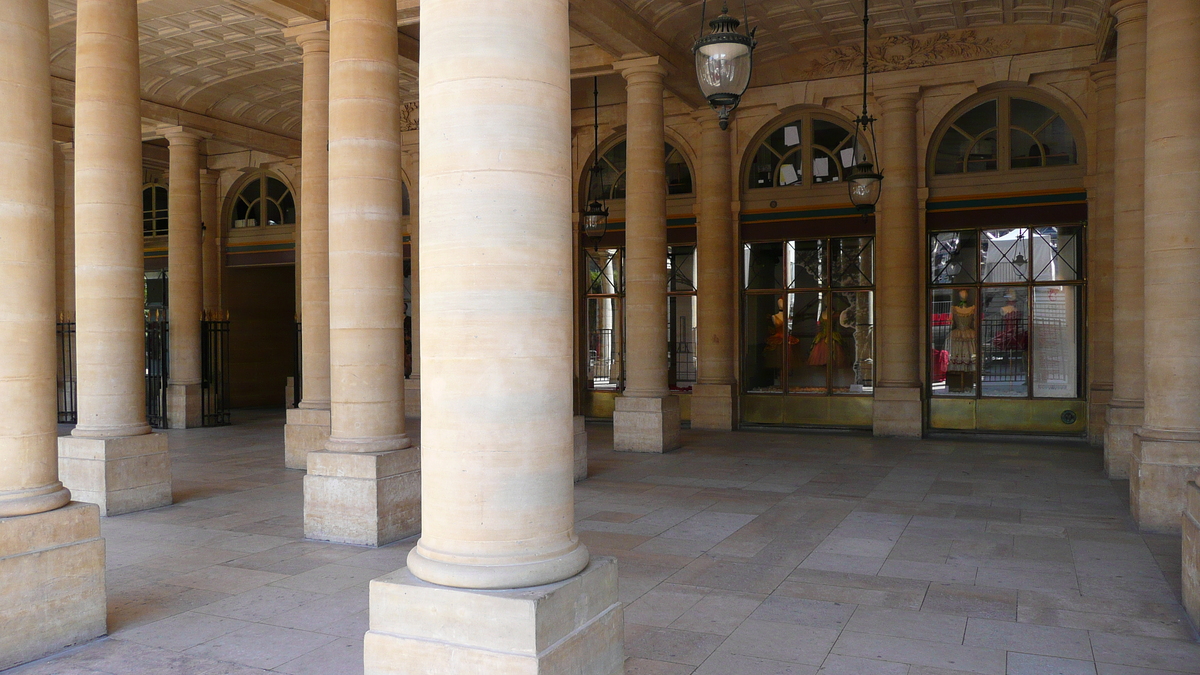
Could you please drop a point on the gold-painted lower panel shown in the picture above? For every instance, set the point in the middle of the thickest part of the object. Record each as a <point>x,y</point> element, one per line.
<point>1044,416</point>
<point>823,411</point>
<point>600,404</point>
<point>685,406</point>
<point>952,413</point>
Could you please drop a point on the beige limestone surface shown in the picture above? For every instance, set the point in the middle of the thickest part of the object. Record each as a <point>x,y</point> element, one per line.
<point>1100,253</point>
<point>741,554</point>
<point>412,384</point>
<point>210,252</point>
<point>186,280</point>
<point>897,407</point>
<point>1166,450</point>
<point>64,230</point>
<point>1125,411</point>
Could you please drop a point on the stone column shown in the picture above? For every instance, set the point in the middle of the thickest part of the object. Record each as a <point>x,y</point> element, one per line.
<point>64,222</point>
<point>211,226</point>
<point>498,579</point>
<point>715,388</point>
<point>646,418</point>
<point>1129,384</point>
<point>1166,451</point>
<point>897,405</point>
<point>307,427</point>
<point>111,458</point>
<point>51,555</point>
<point>185,279</point>
<point>363,488</point>
<point>1100,249</point>
<point>412,385</point>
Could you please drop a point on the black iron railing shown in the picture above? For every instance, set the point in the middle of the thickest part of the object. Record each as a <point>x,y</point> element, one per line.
<point>214,370</point>
<point>298,377</point>
<point>157,339</point>
<point>68,411</point>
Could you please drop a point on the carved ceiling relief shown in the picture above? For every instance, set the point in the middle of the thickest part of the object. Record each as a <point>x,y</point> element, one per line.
<point>901,52</point>
<point>409,116</point>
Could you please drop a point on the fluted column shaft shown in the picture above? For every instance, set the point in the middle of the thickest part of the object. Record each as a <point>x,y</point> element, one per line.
<point>64,220</point>
<point>714,257</point>
<point>645,234</point>
<point>1126,408</point>
<point>185,274</point>
<point>210,209</point>
<point>496,427</point>
<point>109,274</point>
<point>314,219</point>
<point>28,452</point>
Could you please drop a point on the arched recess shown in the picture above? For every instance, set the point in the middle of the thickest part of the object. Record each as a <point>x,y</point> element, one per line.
<point>1005,270</point>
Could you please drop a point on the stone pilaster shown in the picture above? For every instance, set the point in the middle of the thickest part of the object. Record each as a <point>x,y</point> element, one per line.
<point>210,224</point>
<point>412,384</point>
<point>307,427</point>
<point>498,582</point>
<point>1166,451</point>
<point>1100,250</point>
<point>1125,410</point>
<point>185,279</point>
<point>64,227</point>
<point>111,458</point>
<point>898,307</point>
<point>647,415</point>
<point>51,554</point>
<point>714,393</point>
<point>363,488</point>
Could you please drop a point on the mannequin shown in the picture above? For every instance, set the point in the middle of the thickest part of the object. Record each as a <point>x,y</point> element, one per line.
<point>960,375</point>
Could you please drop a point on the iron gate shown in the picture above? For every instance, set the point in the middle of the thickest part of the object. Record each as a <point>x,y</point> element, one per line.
<point>157,335</point>
<point>214,366</point>
<point>68,411</point>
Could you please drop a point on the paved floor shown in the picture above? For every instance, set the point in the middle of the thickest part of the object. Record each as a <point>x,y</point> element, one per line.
<point>755,552</point>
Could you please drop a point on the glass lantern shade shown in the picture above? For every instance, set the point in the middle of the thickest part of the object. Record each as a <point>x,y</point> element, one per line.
<point>724,59</point>
<point>865,187</point>
<point>594,220</point>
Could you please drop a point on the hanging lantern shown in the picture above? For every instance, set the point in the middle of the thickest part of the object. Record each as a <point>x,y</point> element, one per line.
<point>864,181</point>
<point>724,59</point>
<point>593,220</point>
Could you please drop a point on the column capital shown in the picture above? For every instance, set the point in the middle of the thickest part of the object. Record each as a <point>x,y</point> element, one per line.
<point>209,176</point>
<point>898,98</point>
<point>310,36</point>
<point>181,135</point>
<point>707,117</point>
<point>641,68</point>
<point>1126,11</point>
<point>1104,74</point>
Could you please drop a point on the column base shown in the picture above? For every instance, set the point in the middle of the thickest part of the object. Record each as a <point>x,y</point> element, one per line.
<point>712,407</point>
<point>1122,420</point>
<point>183,406</point>
<point>363,498</point>
<point>306,431</point>
<point>572,627</point>
<point>120,475</point>
<point>646,424</point>
<point>1191,551</point>
<point>51,582</point>
<point>897,412</point>
<point>1098,400</point>
<point>1162,464</point>
<point>412,397</point>
<point>581,467</point>
<point>289,393</point>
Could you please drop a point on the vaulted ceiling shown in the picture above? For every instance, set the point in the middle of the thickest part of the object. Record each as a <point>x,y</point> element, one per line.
<point>228,59</point>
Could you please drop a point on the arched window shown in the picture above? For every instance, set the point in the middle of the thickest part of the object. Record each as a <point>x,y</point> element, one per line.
<point>610,183</point>
<point>1007,131</point>
<point>264,200</point>
<point>807,150</point>
<point>154,210</point>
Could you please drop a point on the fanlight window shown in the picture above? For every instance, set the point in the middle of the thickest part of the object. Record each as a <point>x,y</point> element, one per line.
<point>805,151</point>
<point>1008,132</point>
<point>154,210</point>
<point>264,201</point>
<point>609,182</point>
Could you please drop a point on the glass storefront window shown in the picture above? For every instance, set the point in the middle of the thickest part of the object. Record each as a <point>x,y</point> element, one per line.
<point>604,317</point>
<point>681,313</point>
<point>1014,333</point>
<point>799,335</point>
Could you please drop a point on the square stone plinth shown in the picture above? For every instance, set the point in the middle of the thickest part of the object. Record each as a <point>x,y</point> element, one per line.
<point>120,475</point>
<point>363,498</point>
<point>712,407</point>
<point>412,397</point>
<point>1122,420</point>
<point>51,582</point>
<point>1191,551</point>
<point>573,627</point>
<point>183,406</point>
<point>1159,470</point>
<point>581,454</point>
<point>306,431</point>
<point>646,424</point>
<point>897,412</point>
